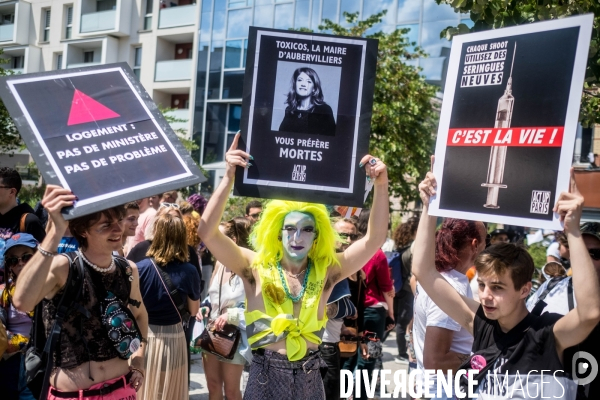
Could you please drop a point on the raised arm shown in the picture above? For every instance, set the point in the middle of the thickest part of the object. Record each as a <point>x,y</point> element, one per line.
<point>43,276</point>
<point>574,327</point>
<point>224,249</point>
<point>361,251</point>
<point>460,308</point>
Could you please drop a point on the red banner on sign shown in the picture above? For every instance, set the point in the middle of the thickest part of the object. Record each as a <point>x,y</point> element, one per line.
<point>538,136</point>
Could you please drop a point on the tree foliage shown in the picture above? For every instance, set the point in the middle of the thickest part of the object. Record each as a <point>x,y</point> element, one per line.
<point>10,140</point>
<point>492,14</point>
<point>404,119</point>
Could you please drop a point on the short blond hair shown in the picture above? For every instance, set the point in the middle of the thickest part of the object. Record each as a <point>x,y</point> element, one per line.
<point>169,242</point>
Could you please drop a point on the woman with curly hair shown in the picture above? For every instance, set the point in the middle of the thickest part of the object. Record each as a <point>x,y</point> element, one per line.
<point>288,279</point>
<point>226,301</point>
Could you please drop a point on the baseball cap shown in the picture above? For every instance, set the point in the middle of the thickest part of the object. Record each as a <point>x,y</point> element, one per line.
<point>591,228</point>
<point>20,239</point>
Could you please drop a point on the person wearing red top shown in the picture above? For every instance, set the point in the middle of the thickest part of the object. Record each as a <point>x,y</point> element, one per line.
<point>379,300</point>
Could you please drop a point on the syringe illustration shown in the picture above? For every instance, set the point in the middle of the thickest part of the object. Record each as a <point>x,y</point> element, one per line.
<point>495,174</point>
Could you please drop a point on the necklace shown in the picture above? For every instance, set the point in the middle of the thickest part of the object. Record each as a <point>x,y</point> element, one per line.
<point>295,275</point>
<point>110,268</point>
<point>285,287</point>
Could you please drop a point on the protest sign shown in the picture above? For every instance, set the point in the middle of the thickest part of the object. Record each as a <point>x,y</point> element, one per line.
<point>509,120</point>
<point>306,116</point>
<point>96,132</point>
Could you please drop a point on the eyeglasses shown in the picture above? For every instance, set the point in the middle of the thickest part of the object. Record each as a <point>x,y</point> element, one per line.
<point>12,261</point>
<point>173,205</point>
<point>351,236</point>
<point>595,254</point>
<point>255,215</point>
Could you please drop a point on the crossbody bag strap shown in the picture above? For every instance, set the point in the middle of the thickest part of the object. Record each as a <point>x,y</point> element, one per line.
<point>173,293</point>
<point>221,286</point>
<point>360,282</point>
<point>570,295</point>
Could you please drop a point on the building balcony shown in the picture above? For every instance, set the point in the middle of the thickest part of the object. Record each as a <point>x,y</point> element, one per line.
<point>98,21</point>
<point>23,59</point>
<point>115,22</point>
<point>15,27</point>
<point>90,52</point>
<point>7,32</point>
<point>173,70</point>
<point>174,17</point>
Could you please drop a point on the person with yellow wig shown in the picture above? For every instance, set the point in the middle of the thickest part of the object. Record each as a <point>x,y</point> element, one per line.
<point>289,278</point>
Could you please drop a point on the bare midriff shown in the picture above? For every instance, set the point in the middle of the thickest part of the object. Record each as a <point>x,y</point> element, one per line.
<point>78,378</point>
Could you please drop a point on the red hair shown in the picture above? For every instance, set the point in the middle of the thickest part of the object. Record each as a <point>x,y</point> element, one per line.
<point>450,239</point>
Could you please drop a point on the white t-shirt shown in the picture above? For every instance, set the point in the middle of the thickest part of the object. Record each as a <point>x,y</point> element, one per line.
<point>428,314</point>
<point>333,329</point>
<point>557,300</point>
<point>552,250</point>
<point>475,287</point>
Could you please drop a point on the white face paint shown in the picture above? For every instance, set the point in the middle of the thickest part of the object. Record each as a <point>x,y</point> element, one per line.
<point>298,235</point>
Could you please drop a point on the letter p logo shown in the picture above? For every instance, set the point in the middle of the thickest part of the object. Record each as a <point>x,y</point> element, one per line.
<point>584,367</point>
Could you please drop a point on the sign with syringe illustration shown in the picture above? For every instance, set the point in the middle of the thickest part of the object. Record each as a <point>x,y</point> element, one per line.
<point>509,120</point>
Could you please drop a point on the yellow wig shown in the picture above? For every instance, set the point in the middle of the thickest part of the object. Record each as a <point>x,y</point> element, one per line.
<point>266,234</point>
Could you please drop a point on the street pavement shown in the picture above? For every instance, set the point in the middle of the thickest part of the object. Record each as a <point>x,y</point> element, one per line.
<point>199,391</point>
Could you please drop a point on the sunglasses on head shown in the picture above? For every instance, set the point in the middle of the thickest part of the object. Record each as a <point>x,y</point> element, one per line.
<point>173,205</point>
<point>351,236</point>
<point>595,254</point>
<point>12,261</point>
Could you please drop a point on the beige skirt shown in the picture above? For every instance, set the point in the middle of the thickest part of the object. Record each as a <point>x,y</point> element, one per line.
<point>166,364</point>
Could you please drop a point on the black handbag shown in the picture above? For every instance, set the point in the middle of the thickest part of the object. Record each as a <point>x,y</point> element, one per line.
<point>223,343</point>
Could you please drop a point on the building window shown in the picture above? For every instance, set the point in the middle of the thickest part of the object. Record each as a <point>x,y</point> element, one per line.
<point>18,62</point>
<point>7,19</point>
<point>148,17</point>
<point>46,36</point>
<point>59,61</point>
<point>69,23</point>
<point>88,57</point>
<point>106,5</point>
<point>137,61</point>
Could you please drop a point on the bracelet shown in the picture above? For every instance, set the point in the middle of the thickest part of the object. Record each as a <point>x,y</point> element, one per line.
<point>135,369</point>
<point>45,253</point>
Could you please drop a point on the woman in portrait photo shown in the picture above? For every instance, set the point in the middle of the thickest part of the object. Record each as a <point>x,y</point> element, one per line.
<point>306,111</point>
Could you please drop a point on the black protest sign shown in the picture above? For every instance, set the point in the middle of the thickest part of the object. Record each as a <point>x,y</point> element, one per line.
<point>509,120</point>
<point>306,116</point>
<point>97,132</point>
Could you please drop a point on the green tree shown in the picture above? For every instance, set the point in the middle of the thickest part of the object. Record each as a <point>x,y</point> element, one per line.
<point>10,140</point>
<point>492,14</point>
<point>404,119</point>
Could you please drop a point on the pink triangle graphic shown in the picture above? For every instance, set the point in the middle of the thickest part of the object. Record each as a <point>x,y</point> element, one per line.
<point>85,109</point>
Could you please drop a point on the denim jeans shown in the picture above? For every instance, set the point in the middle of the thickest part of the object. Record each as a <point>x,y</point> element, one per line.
<point>330,353</point>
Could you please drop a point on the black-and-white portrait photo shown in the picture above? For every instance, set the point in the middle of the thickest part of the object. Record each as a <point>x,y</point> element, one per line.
<point>306,98</point>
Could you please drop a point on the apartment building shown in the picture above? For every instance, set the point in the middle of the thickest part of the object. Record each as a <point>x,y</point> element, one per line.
<point>157,39</point>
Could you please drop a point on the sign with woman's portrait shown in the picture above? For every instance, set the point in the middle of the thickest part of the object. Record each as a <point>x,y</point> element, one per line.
<point>306,116</point>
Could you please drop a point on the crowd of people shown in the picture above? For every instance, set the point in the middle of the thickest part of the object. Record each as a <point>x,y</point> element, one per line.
<point>292,292</point>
